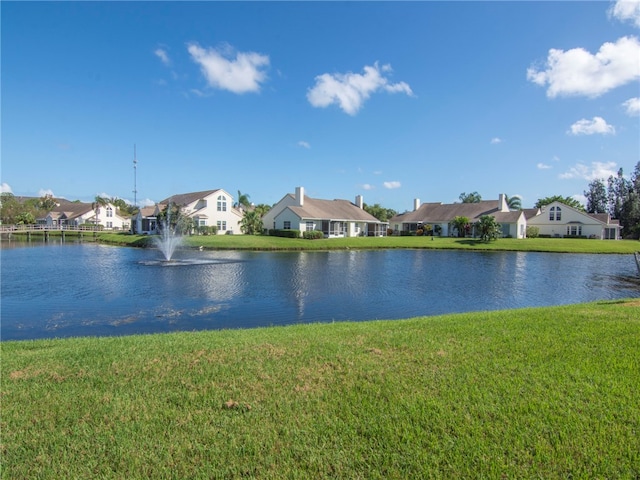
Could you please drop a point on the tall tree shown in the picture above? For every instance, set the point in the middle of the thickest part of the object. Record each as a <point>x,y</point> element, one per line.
<point>473,197</point>
<point>9,207</point>
<point>261,209</point>
<point>596,197</point>
<point>97,203</point>
<point>47,203</point>
<point>243,200</point>
<point>572,202</point>
<point>617,190</point>
<point>514,203</point>
<point>378,211</point>
<point>630,211</point>
<point>174,219</point>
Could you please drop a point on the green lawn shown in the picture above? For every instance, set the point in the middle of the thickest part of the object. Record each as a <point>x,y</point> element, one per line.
<point>533,393</point>
<point>253,242</point>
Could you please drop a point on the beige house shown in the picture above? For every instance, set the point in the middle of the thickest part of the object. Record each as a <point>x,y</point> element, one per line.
<point>334,218</point>
<point>560,220</point>
<point>440,217</point>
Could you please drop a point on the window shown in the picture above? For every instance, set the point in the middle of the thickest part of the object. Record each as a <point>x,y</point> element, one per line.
<point>574,230</point>
<point>109,224</point>
<point>202,222</point>
<point>309,226</point>
<point>222,204</point>
<point>109,212</point>
<point>555,213</point>
<point>287,225</point>
<point>222,225</point>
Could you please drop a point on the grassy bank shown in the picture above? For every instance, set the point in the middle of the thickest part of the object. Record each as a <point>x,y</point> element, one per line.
<point>544,393</point>
<point>252,242</point>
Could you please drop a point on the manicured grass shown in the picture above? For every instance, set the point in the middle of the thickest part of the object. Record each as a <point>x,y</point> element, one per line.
<point>253,242</point>
<point>533,393</point>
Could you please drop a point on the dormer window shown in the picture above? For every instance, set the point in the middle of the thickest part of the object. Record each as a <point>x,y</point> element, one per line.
<point>555,213</point>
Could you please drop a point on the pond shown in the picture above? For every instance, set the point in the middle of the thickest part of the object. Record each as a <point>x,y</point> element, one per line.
<point>76,289</point>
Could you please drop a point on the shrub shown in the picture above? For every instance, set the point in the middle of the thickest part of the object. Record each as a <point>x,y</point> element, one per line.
<point>207,230</point>
<point>285,233</point>
<point>390,231</point>
<point>419,232</point>
<point>312,234</point>
<point>533,232</point>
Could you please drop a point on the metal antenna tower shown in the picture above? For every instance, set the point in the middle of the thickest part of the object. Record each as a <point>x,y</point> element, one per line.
<point>135,188</point>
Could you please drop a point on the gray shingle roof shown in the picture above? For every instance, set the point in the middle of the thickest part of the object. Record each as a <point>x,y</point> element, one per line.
<point>442,213</point>
<point>183,199</point>
<point>340,210</point>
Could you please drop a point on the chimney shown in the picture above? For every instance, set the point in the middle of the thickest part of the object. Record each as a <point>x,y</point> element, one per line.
<point>359,201</point>
<point>300,196</point>
<point>416,204</point>
<point>502,203</point>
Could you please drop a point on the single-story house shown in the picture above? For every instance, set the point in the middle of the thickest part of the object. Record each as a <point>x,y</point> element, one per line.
<point>146,219</point>
<point>334,218</point>
<point>560,220</point>
<point>209,208</point>
<point>75,214</point>
<point>440,217</point>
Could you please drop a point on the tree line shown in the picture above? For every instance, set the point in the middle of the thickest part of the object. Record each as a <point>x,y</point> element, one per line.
<point>620,198</point>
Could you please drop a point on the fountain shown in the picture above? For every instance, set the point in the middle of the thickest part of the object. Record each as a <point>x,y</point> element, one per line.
<point>168,240</point>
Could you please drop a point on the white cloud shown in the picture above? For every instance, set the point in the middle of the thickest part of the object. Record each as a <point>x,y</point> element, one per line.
<point>632,106</point>
<point>304,144</point>
<point>496,140</point>
<point>590,127</point>
<point>543,166</point>
<point>595,171</point>
<point>163,56</point>
<point>5,188</point>
<point>578,72</point>
<point>390,185</point>
<point>46,191</point>
<point>147,202</point>
<point>626,10</point>
<point>367,186</point>
<point>580,198</point>
<point>350,90</point>
<point>378,172</point>
<point>241,73</point>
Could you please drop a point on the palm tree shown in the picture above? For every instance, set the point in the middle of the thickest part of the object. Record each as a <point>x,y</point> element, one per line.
<point>251,223</point>
<point>488,228</point>
<point>514,203</point>
<point>461,225</point>
<point>243,200</point>
<point>96,204</point>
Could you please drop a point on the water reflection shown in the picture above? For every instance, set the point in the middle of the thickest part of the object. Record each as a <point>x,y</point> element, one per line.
<point>88,289</point>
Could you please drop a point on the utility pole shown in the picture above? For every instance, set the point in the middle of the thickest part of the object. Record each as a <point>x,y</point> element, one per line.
<point>135,188</point>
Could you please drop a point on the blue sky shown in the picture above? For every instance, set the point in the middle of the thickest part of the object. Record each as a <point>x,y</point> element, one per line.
<point>389,100</point>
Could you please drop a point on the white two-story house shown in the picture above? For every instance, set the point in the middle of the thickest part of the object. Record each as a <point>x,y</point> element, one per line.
<point>76,214</point>
<point>209,208</point>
